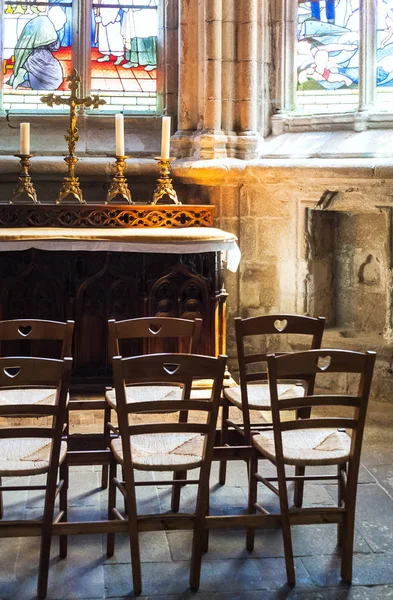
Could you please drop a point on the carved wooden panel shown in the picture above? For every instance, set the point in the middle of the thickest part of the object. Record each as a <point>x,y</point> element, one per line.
<point>91,287</point>
<point>98,215</point>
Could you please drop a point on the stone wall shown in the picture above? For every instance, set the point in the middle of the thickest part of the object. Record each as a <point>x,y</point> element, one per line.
<point>316,238</point>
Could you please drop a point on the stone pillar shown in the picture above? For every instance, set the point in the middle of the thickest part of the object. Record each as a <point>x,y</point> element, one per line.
<point>284,14</point>
<point>249,138</point>
<point>212,143</point>
<point>188,77</point>
<point>168,27</point>
<point>228,67</point>
<point>367,61</point>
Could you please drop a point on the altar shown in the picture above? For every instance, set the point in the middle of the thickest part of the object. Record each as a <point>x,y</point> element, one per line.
<point>93,263</point>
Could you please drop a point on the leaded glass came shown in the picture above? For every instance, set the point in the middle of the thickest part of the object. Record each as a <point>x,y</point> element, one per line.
<point>37,50</point>
<point>328,55</point>
<point>124,54</point>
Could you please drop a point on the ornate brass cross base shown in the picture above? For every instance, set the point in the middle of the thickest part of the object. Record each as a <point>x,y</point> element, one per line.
<point>70,185</point>
<point>24,186</point>
<point>119,187</point>
<point>164,185</point>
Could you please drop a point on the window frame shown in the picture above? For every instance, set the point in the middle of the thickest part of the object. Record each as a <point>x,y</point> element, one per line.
<point>286,117</point>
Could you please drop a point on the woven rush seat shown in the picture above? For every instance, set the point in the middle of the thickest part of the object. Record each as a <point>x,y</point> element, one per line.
<point>146,393</point>
<point>259,396</point>
<point>163,451</point>
<point>303,447</point>
<point>28,396</point>
<point>26,456</point>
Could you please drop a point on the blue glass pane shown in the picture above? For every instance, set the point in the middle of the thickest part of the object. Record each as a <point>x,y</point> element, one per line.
<point>328,54</point>
<point>385,44</point>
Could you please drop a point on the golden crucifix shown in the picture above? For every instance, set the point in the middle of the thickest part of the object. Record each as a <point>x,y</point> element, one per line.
<point>71,185</point>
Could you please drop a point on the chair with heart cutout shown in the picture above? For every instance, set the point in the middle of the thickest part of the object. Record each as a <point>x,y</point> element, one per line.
<point>154,335</point>
<point>33,337</point>
<point>321,440</point>
<point>255,338</point>
<point>38,449</point>
<point>163,446</point>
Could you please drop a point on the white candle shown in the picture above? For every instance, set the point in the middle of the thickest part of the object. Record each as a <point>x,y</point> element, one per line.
<point>166,138</point>
<point>120,135</point>
<point>25,138</point>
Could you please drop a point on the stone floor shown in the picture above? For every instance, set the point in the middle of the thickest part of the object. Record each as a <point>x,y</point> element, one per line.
<point>228,571</point>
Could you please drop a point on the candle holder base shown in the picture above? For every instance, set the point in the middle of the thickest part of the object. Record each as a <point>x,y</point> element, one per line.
<point>72,188</point>
<point>119,187</point>
<point>164,184</point>
<point>24,186</point>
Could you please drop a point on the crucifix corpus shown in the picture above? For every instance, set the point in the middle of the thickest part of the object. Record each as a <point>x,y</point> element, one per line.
<point>71,185</point>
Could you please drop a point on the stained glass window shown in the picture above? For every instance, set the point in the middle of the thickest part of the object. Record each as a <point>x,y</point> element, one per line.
<point>124,54</point>
<point>385,54</point>
<point>328,55</point>
<point>37,50</point>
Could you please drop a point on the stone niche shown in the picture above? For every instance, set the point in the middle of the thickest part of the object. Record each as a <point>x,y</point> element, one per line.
<point>348,263</point>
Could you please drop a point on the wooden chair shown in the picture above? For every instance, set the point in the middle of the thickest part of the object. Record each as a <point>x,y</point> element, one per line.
<point>32,450</point>
<point>315,441</point>
<point>253,392</point>
<point>32,337</point>
<point>182,335</point>
<point>169,446</point>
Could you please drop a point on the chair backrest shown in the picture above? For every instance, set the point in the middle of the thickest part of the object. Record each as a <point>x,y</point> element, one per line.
<point>21,372</point>
<point>152,328</point>
<point>26,330</point>
<point>321,363</point>
<point>270,325</point>
<point>169,369</point>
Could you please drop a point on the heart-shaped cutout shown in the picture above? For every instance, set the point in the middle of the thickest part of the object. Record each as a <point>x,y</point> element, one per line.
<point>25,330</point>
<point>171,368</point>
<point>324,362</point>
<point>154,329</point>
<point>280,325</point>
<point>12,371</point>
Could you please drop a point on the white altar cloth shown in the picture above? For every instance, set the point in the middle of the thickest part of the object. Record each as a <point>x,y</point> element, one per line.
<point>187,240</point>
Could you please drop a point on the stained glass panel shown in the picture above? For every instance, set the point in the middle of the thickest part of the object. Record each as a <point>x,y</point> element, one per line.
<point>124,54</point>
<point>328,55</point>
<point>385,54</point>
<point>37,50</point>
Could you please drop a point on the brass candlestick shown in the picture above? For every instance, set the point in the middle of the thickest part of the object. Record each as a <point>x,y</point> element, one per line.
<point>24,187</point>
<point>119,185</point>
<point>71,185</point>
<point>164,185</point>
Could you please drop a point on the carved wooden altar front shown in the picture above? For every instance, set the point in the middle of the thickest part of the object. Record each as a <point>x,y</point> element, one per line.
<point>92,287</point>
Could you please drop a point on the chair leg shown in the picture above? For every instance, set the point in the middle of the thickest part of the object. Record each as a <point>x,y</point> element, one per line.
<point>205,543</point>
<point>299,487</point>
<point>176,489</point>
<point>348,531</point>
<point>46,536</point>
<point>107,443</point>
<point>224,440</point>
<point>252,498</point>
<point>340,502</point>
<point>110,538</point>
<point>133,532</point>
<point>1,503</point>
<point>64,475</point>
<point>286,527</point>
<point>198,541</point>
